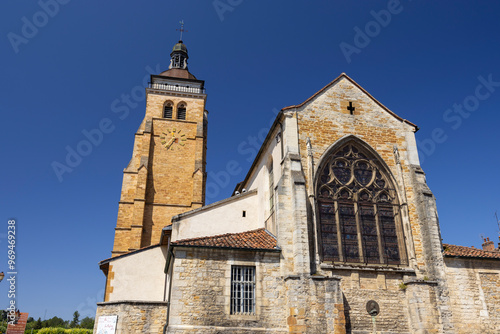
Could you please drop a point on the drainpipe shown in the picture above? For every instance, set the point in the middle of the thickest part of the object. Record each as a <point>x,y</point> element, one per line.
<point>167,266</point>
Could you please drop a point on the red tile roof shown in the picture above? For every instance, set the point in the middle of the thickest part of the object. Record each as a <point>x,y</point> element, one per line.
<point>259,239</point>
<point>461,251</point>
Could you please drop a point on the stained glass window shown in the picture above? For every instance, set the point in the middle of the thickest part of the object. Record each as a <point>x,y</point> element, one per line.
<point>357,209</point>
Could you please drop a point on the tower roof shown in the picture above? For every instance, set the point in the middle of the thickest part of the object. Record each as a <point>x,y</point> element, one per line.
<point>178,73</point>
<point>180,47</point>
<point>178,63</point>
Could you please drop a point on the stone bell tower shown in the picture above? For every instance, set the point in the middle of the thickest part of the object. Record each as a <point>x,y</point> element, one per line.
<point>166,175</point>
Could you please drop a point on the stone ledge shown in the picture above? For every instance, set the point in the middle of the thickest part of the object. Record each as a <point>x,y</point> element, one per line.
<point>322,277</point>
<point>314,277</point>
<point>374,269</point>
<point>420,281</point>
<point>234,329</point>
<point>133,302</point>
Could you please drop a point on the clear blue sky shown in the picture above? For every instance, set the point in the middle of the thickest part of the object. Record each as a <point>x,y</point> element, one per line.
<point>256,57</point>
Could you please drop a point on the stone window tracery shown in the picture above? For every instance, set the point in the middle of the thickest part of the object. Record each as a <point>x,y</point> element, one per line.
<point>358,209</point>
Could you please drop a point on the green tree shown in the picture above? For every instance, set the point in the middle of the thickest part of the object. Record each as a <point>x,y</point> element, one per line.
<point>54,322</point>
<point>87,322</point>
<point>38,324</point>
<point>76,320</point>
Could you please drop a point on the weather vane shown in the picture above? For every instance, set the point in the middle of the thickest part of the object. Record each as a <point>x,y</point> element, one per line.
<point>181,29</point>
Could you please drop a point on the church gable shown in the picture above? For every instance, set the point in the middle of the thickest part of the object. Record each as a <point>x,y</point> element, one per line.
<point>344,96</point>
<point>343,108</point>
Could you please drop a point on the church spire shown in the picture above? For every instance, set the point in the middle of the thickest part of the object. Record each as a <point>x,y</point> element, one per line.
<point>179,55</point>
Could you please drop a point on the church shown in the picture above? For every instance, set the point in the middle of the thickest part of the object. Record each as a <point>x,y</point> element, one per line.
<point>332,230</point>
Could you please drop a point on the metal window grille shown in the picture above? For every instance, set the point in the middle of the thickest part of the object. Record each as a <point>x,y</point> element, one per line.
<point>167,111</point>
<point>242,290</point>
<point>181,112</point>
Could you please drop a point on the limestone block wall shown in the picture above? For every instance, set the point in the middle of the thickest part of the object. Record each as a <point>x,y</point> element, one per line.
<point>201,290</point>
<point>284,304</point>
<point>314,304</point>
<point>474,286</point>
<point>359,287</point>
<point>135,317</point>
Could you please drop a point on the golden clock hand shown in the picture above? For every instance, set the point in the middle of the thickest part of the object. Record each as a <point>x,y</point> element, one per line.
<point>170,142</point>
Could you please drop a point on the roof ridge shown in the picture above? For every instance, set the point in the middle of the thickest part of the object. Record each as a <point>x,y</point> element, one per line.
<point>470,252</point>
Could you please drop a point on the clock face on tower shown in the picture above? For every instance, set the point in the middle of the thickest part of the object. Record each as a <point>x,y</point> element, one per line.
<point>173,139</point>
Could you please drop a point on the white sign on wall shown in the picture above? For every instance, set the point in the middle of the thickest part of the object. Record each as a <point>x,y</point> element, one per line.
<point>107,324</point>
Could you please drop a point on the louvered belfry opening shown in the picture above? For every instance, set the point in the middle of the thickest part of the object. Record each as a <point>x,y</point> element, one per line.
<point>358,209</point>
<point>181,111</point>
<point>167,110</point>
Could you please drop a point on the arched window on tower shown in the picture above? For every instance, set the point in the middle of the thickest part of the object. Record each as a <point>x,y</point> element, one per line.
<point>181,111</point>
<point>358,209</point>
<point>167,109</point>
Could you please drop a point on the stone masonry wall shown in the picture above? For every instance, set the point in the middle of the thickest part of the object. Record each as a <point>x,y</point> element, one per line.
<point>201,292</point>
<point>159,183</point>
<point>284,304</point>
<point>474,286</point>
<point>359,287</point>
<point>135,317</point>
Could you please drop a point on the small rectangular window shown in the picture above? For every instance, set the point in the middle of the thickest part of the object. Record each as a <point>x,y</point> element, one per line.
<point>242,290</point>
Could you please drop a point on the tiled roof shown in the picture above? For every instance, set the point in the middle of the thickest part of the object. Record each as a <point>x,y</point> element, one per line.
<point>461,251</point>
<point>259,239</point>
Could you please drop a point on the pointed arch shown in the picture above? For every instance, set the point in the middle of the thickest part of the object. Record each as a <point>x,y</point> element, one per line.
<point>357,206</point>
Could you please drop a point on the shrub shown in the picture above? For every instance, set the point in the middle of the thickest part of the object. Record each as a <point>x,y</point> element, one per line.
<point>58,330</point>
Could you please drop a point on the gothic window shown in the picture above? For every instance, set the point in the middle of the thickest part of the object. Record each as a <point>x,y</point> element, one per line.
<point>167,110</point>
<point>242,290</point>
<point>358,209</point>
<point>181,111</point>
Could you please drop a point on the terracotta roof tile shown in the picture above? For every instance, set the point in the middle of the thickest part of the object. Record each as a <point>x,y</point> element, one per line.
<point>461,251</point>
<point>256,239</point>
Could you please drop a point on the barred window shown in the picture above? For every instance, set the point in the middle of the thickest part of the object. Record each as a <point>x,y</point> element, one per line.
<point>358,209</point>
<point>242,290</point>
<point>167,110</point>
<point>181,111</point>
